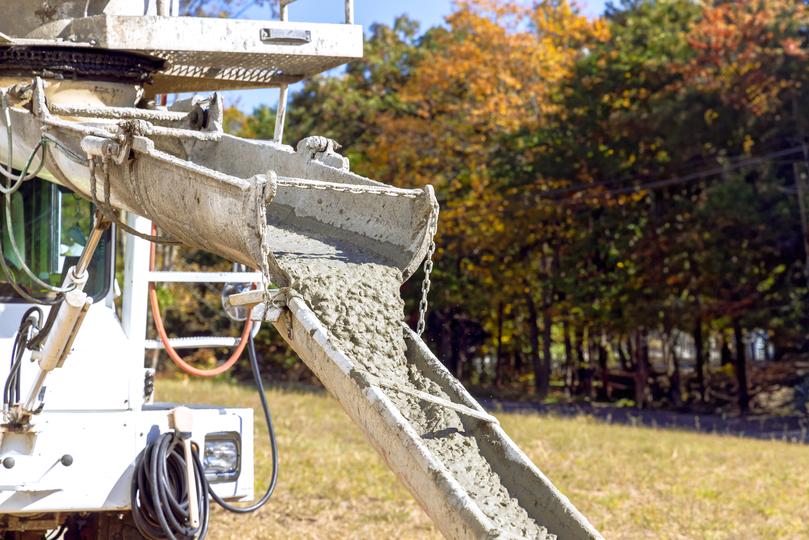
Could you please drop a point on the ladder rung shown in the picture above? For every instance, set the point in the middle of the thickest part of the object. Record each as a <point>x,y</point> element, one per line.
<point>206,342</point>
<point>204,277</point>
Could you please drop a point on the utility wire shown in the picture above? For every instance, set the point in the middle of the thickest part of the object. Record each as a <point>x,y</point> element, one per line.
<point>630,178</point>
<point>736,163</point>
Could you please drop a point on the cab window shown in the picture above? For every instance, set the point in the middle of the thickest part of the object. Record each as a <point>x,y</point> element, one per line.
<point>50,226</point>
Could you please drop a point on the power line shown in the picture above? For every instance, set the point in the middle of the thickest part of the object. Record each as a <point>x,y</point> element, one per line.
<point>628,177</point>
<point>737,162</point>
<point>734,163</point>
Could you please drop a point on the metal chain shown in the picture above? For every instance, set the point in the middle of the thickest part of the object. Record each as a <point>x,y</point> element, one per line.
<point>425,284</point>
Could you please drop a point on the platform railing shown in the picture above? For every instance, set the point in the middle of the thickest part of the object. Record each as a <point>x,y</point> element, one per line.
<point>283,90</point>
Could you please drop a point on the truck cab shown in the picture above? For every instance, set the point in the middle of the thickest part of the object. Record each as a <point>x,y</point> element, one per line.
<point>77,455</point>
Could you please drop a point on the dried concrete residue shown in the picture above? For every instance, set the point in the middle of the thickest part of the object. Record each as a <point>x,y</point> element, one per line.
<point>361,306</point>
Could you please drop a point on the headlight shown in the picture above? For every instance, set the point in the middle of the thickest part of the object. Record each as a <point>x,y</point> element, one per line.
<point>222,457</point>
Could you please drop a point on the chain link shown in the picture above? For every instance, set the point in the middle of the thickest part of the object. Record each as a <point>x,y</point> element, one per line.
<point>425,284</point>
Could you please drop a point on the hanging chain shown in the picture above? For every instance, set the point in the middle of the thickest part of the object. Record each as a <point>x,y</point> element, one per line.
<point>425,284</point>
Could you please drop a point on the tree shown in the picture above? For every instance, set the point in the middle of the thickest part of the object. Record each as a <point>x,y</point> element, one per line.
<point>226,8</point>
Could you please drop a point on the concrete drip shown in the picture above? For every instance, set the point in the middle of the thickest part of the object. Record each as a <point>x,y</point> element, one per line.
<point>360,303</point>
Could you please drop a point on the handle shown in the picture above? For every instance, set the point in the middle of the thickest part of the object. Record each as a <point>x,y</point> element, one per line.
<point>190,473</point>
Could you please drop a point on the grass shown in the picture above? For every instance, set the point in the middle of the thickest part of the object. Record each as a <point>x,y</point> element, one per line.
<point>630,482</point>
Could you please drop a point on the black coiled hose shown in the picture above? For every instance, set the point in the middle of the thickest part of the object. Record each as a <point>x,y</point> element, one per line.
<point>159,493</point>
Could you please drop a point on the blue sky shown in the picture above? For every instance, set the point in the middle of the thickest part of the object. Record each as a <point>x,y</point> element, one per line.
<point>427,12</point>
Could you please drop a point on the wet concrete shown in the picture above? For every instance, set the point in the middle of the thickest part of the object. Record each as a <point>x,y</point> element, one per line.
<point>360,304</point>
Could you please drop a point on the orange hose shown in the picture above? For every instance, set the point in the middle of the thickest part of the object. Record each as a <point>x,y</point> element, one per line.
<point>161,331</point>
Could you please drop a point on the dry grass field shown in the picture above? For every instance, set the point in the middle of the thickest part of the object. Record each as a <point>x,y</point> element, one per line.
<point>632,483</point>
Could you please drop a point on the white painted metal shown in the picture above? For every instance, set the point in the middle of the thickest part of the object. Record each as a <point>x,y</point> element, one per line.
<point>93,412</point>
<point>103,446</point>
<point>194,342</point>
<point>281,114</point>
<point>202,54</point>
<point>136,282</point>
<point>162,276</point>
<point>18,18</point>
<point>59,342</point>
<point>349,11</point>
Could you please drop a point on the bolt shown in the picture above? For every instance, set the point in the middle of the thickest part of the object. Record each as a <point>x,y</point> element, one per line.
<point>8,462</point>
<point>67,460</point>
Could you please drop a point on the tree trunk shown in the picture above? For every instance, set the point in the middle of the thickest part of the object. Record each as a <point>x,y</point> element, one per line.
<point>726,357</point>
<point>699,353</point>
<point>568,371</point>
<point>455,343</point>
<point>498,362</point>
<point>741,368</point>
<point>621,353</point>
<point>545,383</point>
<point>578,345</point>
<point>603,372</point>
<point>676,379</point>
<point>641,367</point>
<point>533,336</point>
<point>630,348</point>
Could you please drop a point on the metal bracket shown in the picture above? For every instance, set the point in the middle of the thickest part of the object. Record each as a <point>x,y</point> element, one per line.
<point>285,36</point>
<point>256,299</point>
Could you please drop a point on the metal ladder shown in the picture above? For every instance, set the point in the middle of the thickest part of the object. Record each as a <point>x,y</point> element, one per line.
<point>164,276</point>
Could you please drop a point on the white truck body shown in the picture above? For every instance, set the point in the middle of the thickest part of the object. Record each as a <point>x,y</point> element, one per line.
<point>95,410</point>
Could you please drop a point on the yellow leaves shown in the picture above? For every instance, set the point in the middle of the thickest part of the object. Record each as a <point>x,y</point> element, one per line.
<point>630,160</point>
<point>492,68</point>
<point>748,143</point>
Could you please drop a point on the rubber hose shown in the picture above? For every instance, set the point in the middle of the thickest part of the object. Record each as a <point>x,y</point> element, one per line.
<point>159,494</point>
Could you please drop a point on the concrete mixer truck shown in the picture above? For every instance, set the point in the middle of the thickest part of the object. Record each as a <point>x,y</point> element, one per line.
<point>90,153</point>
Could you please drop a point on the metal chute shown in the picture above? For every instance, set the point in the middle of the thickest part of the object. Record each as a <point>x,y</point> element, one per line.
<point>207,189</point>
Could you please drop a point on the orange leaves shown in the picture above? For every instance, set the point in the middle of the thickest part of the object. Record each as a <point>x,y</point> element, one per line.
<point>792,47</point>
<point>492,73</point>
<point>496,63</point>
<point>740,46</point>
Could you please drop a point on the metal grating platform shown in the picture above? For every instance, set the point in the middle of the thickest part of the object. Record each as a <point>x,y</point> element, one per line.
<point>189,72</point>
<point>205,54</point>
